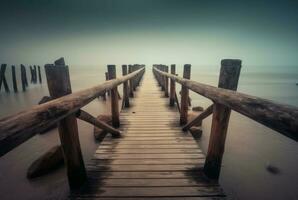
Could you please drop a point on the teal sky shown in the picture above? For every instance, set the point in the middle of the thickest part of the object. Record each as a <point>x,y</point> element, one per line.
<point>199,32</point>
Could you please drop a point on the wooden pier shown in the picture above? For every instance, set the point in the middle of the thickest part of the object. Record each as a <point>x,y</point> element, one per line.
<point>153,158</point>
<point>150,154</point>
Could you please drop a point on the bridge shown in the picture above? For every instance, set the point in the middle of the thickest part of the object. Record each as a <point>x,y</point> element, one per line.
<point>149,154</point>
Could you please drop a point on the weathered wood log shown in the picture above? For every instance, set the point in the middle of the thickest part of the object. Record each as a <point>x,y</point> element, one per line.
<point>279,117</point>
<point>199,118</point>
<point>172,87</point>
<point>3,79</point>
<point>125,101</point>
<point>14,79</point>
<point>114,98</point>
<point>13,130</point>
<point>228,79</point>
<point>184,96</point>
<point>51,160</point>
<point>46,99</point>
<point>83,115</point>
<point>39,75</point>
<point>59,85</point>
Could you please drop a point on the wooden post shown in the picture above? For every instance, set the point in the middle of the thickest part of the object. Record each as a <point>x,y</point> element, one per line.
<point>39,74</point>
<point>162,68</point>
<point>166,80</point>
<point>130,82</point>
<point>114,98</point>
<point>14,80</point>
<point>125,88</point>
<point>59,85</point>
<point>184,96</point>
<point>35,74</point>
<point>3,79</point>
<point>23,77</point>
<point>228,79</point>
<point>172,87</point>
<point>31,72</point>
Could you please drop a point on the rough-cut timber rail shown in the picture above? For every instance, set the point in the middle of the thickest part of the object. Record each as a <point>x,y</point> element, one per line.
<point>153,159</point>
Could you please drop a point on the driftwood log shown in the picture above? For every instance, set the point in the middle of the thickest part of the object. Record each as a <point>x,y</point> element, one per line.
<point>45,164</point>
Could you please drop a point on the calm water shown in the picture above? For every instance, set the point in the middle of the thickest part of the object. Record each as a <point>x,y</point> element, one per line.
<point>250,147</point>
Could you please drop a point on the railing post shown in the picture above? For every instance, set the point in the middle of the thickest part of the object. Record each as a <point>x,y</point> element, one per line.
<point>39,74</point>
<point>228,79</point>
<point>130,82</point>
<point>114,98</point>
<point>59,85</point>
<point>125,88</point>
<point>166,82</point>
<point>162,78</point>
<point>184,96</point>
<point>172,87</point>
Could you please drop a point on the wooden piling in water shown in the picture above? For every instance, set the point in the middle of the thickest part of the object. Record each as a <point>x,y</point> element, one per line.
<point>125,101</point>
<point>14,80</point>
<point>114,98</point>
<point>184,96</point>
<point>172,87</point>
<point>59,85</point>
<point>39,74</point>
<point>228,79</point>
<point>23,77</point>
<point>35,74</point>
<point>3,79</point>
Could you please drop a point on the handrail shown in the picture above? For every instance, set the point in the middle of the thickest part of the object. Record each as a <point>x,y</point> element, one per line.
<point>17,128</point>
<point>279,117</point>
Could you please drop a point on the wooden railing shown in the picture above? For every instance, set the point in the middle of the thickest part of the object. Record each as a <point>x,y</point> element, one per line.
<point>279,117</point>
<point>17,128</point>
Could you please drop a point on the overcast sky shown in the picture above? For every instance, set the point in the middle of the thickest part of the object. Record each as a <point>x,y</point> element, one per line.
<point>149,31</point>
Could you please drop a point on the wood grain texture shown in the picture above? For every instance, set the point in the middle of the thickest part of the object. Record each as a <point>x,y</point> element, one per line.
<point>59,85</point>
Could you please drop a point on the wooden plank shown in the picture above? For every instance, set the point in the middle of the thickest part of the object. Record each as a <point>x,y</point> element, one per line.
<point>151,198</point>
<point>159,146</point>
<point>152,191</point>
<point>145,156</point>
<point>156,161</point>
<point>181,182</point>
<point>152,151</point>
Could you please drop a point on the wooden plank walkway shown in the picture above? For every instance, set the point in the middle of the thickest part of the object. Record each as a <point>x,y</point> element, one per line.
<point>153,159</point>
